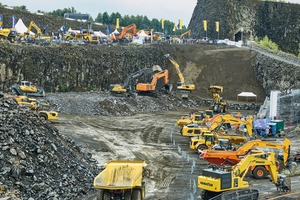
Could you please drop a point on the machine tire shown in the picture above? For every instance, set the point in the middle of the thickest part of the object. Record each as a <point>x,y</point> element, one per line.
<point>106,195</point>
<point>201,147</point>
<point>43,117</point>
<point>127,195</point>
<point>136,194</point>
<point>260,172</point>
<point>100,196</point>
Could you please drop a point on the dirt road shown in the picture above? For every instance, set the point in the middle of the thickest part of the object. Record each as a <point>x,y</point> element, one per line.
<point>146,137</point>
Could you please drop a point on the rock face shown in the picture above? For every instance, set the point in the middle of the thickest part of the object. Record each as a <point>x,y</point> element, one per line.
<point>247,19</point>
<point>36,162</point>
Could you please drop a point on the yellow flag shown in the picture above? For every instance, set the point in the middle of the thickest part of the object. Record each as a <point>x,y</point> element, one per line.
<point>174,29</point>
<point>205,25</point>
<point>217,26</point>
<point>180,24</point>
<point>162,23</point>
<point>117,23</point>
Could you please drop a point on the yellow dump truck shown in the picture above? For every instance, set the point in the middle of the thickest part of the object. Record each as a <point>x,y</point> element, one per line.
<point>121,179</point>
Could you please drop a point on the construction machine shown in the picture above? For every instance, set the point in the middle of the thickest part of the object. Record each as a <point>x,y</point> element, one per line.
<point>230,183</point>
<point>181,85</point>
<point>86,35</point>
<point>121,179</point>
<point>194,118</point>
<point>224,158</point>
<point>129,83</point>
<point>126,34</point>
<point>40,108</point>
<point>219,105</point>
<point>28,89</point>
<point>38,30</point>
<point>184,34</point>
<point>152,88</point>
<point>8,34</point>
<point>217,121</point>
<point>210,135</point>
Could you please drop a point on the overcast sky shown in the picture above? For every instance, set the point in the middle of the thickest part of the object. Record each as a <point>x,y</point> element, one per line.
<point>172,10</point>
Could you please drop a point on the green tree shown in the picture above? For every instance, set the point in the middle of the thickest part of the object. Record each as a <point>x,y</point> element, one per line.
<point>99,18</point>
<point>105,18</point>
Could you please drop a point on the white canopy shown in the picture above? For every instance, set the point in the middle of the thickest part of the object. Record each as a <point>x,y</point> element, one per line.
<point>21,28</point>
<point>143,34</point>
<point>73,31</point>
<point>100,34</point>
<point>247,95</point>
<point>116,32</point>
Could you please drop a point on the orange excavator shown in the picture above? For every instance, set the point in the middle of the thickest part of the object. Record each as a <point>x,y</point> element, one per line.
<point>151,88</point>
<point>125,35</point>
<point>222,158</point>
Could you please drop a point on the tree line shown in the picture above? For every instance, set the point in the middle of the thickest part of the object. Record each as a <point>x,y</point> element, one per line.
<point>141,21</point>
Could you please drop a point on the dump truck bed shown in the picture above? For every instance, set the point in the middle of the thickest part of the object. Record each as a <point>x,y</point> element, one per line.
<point>119,175</point>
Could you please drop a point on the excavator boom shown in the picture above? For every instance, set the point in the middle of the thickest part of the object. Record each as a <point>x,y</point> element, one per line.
<point>181,84</point>
<point>216,182</point>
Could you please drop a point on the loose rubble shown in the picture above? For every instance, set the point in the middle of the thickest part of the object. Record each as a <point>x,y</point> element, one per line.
<point>36,161</point>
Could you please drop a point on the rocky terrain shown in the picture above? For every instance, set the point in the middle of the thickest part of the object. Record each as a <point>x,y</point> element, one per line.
<point>244,20</point>
<point>37,162</point>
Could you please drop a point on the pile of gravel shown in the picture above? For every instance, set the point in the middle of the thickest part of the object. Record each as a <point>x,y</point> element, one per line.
<point>36,161</point>
<point>100,103</point>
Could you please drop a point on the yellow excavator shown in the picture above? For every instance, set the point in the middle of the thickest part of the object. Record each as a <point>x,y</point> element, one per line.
<point>39,33</point>
<point>185,33</point>
<point>181,85</point>
<point>219,105</point>
<point>230,183</point>
<point>196,130</point>
<point>230,157</point>
<point>209,136</point>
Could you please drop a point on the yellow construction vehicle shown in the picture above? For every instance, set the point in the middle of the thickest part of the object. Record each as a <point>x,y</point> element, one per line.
<point>41,109</point>
<point>39,33</point>
<point>230,182</point>
<point>210,136</point>
<point>194,118</point>
<point>219,105</point>
<point>87,35</point>
<point>224,158</point>
<point>216,122</point>
<point>185,33</point>
<point>28,89</point>
<point>121,180</point>
<point>8,34</point>
<point>129,84</point>
<point>181,85</point>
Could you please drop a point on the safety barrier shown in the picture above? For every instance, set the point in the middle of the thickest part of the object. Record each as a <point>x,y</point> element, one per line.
<point>188,159</point>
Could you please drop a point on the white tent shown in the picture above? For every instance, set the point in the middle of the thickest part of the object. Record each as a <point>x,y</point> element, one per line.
<point>247,95</point>
<point>100,34</point>
<point>73,31</point>
<point>21,28</point>
<point>143,34</point>
<point>116,32</point>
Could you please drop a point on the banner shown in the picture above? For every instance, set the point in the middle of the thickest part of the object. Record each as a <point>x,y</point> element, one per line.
<point>63,29</point>
<point>217,26</point>
<point>205,25</point>
<point>117,23</point>
<point>107,29</point>
<point>1,22</point>
<point>13,24</point>
<point>174,29</point>
<point>162,23</point>
<point>180,24</point>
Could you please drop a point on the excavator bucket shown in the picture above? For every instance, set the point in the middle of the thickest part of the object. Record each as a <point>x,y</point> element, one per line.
<point>168,88</point>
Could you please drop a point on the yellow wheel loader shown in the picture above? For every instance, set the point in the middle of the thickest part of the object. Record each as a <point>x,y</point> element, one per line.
<point>121,179</point>
<point>219,105</point>
<point>230,184</point>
